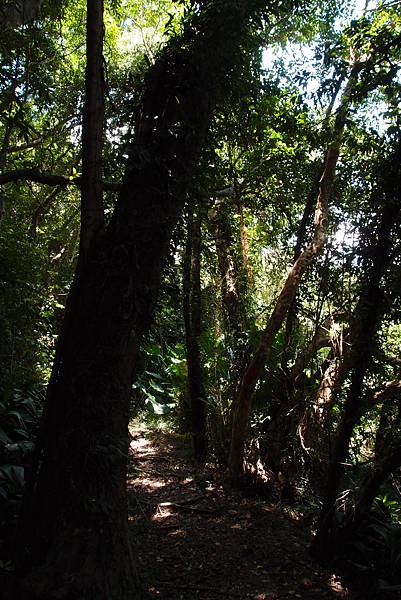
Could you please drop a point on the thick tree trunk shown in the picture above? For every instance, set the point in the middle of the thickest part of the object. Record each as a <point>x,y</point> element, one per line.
<point>74,527</point>
<point>92,216</point>
<point>193,326</point>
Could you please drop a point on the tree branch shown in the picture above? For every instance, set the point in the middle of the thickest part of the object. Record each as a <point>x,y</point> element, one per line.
<point>25,146</point>
<point>51,179</point>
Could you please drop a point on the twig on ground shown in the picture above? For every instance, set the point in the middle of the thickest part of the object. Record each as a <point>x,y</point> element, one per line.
<point>200,588</point>
<point>184,507</point>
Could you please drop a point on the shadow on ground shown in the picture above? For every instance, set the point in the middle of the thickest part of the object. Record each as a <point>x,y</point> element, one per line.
<point>196,541</point>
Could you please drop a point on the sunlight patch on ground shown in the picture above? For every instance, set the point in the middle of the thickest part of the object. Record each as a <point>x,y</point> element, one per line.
<point>335,585</point>
<point>162,513</point>
<point>140,444</point>
<point>149,483</point>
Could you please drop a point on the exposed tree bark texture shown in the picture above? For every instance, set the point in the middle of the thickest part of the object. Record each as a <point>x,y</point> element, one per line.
<point>300,243</point>
<point>19,12</point>
<point>325,393</point>
<point>363,330</point>
<point>243,402</point>
<point>51,179</point>
<point>193,326</point>
<point>74,523</point>
<point>92,215</point>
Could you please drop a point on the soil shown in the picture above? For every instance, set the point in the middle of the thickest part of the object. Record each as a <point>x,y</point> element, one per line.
<point>195,539</point>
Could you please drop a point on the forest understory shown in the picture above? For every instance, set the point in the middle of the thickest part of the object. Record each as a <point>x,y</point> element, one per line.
<point>197,539</point>
<point>200,228</point>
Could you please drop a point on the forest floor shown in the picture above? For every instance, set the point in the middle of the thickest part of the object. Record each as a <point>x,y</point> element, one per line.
<point>196,540</point>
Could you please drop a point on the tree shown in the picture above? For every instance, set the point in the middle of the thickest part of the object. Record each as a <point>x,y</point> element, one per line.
<point>243,402</point>
<point>18,12</point>
<point>74,524</point>
<point>192,313</point>
<point>367,316</point>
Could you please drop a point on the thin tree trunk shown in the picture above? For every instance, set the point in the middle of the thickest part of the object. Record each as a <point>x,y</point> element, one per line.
<point>230,295</point>
<point>300,242</point>
<point>363,330</point>
<point>193,326</point>
<point>243,402</point>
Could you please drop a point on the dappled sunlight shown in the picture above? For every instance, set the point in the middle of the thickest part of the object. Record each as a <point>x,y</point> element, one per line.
<point>147,482</point>
<point>162,513</point>
<point>184,524</point>
<point>140,443</point>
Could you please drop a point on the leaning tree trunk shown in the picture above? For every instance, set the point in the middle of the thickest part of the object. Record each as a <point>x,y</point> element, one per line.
<point>243,402</point>
<point>299,244</point>
<point>367,316</point>
<point>92,215</point>
<point>75,543</point>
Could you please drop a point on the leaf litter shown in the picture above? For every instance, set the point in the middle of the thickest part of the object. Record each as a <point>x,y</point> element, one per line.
<point>195,539</point>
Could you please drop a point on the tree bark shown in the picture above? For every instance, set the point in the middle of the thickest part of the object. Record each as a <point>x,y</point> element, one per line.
<point>363,330</point>
<point>230,295</point>
<point>193,327</point>
<point>243,402</point>
<point>74,523</point>
<point>300,242</point>
<point>92,215</point>
<point>19,12</point>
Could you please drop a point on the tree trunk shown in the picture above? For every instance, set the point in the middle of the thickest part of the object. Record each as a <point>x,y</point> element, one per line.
<point>300,242</point>
<point>363,330</point>
<point>230,295</point>
<point>368,490</point>
<point>92,216</point>
<point>243,402</point>
<point>74,524</point>
<point>19,12</point>
<point>193,326</point>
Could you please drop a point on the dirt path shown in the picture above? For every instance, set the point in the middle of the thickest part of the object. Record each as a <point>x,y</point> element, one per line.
<point>196,541</point>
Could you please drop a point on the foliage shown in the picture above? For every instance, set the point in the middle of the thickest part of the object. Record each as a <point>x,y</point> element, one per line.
<point>161,387</point>
<point>19,417</point>
<point>260,167</point>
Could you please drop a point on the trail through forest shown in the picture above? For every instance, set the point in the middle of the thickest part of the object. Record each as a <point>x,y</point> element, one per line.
<point>196,540</point>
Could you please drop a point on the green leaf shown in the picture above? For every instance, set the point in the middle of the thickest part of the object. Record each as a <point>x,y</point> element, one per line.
<point>156,386</point>
<point>4,439</point>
